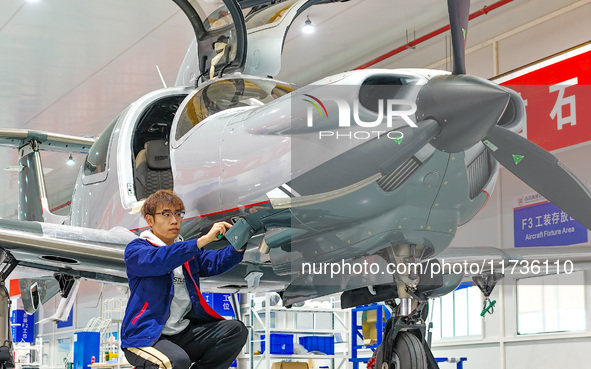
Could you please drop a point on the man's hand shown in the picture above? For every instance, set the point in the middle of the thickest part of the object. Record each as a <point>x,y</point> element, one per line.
<point>216,232</point>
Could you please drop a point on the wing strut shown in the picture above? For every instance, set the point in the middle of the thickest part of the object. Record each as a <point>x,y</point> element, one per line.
<point>33,203</point>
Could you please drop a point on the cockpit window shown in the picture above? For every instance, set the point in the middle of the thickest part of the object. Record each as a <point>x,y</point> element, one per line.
<point>219,19</point>
<point>96,160</point>
<point>227,94</point>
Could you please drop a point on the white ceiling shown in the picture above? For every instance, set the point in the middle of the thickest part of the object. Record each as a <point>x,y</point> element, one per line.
<point>70,66</point>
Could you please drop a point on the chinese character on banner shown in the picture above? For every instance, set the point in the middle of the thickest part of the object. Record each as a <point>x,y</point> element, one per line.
<point>547,219</point>
<point>563,217</point>
<point>552,89</point>
<point>562,101</point>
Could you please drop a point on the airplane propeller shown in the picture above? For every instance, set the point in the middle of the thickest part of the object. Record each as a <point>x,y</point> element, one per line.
<point>465,106</point>
<point>470,109</point>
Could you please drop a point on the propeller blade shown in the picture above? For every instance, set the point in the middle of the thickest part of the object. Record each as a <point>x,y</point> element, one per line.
<point>541,171</point>
<point>459,12</point>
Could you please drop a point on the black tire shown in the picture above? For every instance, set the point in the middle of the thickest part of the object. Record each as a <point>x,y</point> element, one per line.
<point>379,357</point>
<point>409,352</point>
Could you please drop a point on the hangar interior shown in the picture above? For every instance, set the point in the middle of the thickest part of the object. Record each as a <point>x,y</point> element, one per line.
<point>542,321</point>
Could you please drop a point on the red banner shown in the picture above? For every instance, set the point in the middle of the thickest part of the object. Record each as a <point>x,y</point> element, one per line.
<point>15,288</point>
<point>557,94</point>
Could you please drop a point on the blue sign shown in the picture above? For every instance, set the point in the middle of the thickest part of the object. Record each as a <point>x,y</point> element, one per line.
<point>68,322</point>
<point>546,225</point>
<point>23,326</point>
<point>221,303</point>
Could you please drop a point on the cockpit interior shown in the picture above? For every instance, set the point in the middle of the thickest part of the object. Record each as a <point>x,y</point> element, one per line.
<point>150,145</point>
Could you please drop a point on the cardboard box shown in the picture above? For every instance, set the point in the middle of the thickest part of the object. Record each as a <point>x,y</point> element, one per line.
<point>369,322</point>
<point>289,365</point>
<point>369,316</point>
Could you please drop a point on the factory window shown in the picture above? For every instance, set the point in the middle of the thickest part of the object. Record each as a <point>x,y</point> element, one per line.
<point>63,347</point>
<point>457,314</point>
<point>96,160</point>
<point>551,303</point>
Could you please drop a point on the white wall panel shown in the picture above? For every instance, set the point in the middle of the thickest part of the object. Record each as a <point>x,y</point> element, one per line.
<point>558,353</point>
<point>555,35</point>
<point>482,356</point>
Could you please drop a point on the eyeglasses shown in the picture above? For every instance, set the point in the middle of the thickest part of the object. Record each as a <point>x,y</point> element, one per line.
<point>167,214</point>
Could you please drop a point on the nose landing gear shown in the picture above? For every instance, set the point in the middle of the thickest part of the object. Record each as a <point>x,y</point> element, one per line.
<point>408,353</point>
<point>404,345</point>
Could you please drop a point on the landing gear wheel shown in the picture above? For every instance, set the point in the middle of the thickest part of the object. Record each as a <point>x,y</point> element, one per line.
<point>409,353</point>
<point>380,358</point>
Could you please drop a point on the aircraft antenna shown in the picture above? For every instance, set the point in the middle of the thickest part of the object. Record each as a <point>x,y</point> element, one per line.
<point>160,74</point>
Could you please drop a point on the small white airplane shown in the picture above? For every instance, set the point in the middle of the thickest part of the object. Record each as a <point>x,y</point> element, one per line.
<point>375,165</point>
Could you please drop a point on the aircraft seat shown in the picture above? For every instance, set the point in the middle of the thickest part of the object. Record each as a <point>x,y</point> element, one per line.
<point>152,169</point>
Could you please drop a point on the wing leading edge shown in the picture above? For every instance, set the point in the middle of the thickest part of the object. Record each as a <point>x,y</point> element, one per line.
<point>17,138</point>
<point>89,253</point>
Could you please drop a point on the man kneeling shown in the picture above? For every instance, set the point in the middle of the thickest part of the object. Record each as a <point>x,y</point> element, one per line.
<point>167,322</point>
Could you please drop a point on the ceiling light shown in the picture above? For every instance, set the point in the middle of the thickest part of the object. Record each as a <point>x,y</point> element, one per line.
<point>308,27</point>
<point>70,160</point>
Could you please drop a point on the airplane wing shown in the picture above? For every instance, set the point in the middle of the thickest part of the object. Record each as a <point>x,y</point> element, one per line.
<point>89,253</point>
<point>47,141</point>
<point>98,254</point>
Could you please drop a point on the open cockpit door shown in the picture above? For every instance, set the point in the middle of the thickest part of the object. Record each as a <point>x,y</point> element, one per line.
<point>220,38</point>
<point>244,36</point>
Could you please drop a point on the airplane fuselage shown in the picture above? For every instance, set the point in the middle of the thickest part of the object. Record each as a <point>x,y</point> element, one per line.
<point>348,184</point>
